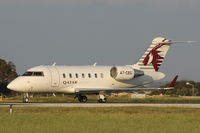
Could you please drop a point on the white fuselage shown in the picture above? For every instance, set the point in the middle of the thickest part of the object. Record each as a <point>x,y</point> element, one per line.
<point>67,78</point>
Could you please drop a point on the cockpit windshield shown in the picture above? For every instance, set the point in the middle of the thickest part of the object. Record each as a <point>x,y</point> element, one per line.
<point>28,73</point>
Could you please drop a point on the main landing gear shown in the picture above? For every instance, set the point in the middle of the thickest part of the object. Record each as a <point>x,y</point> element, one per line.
<point>81,98</point>
<point>102,99</point>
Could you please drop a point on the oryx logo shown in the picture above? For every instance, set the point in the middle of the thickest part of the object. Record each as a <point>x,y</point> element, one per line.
<point>154,58</point>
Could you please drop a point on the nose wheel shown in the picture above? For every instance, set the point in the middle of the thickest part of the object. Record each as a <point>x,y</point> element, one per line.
<point>25,98</point>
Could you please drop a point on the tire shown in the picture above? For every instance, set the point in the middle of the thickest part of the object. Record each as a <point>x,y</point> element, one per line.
<point>84,99</point>
<point>80,99</point>
<point>25,100</point>
<point>102,100</point>
<point>105,100</point>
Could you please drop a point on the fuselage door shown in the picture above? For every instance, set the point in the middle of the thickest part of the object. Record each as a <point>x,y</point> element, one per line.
<point>55,80</point>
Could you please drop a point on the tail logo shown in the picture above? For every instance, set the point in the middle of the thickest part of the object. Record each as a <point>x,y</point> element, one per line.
<point>154,58</point>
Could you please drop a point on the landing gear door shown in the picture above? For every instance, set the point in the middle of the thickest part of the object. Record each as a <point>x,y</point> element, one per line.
<point>55,80</point>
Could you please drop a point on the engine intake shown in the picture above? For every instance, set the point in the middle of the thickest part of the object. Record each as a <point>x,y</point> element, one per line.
<point>124,73</point>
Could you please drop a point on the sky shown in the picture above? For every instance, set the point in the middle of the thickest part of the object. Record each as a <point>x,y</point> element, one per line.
<point>109,32</point>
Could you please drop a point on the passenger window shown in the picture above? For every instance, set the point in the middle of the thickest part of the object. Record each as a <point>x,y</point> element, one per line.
<point>76,75</point>
<point>95,75</point>
<point>89,75</point>
<point>64,75</point>
<point>102,75</point>
<point>70,75</point>
<point>83,76</point>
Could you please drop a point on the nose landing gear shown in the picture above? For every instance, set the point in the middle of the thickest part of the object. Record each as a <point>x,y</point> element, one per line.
<point>25,98</point>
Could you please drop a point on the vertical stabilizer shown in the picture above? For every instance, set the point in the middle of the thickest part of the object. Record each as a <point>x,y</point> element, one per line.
<point>154,55</point>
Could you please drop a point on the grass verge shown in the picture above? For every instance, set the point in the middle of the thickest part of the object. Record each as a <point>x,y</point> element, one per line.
<point>100,120</point>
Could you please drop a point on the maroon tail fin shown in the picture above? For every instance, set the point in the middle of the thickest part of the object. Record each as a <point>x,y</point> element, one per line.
<point>173,83</point>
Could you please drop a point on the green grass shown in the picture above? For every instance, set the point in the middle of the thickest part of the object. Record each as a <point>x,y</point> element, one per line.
<point>100,120</point>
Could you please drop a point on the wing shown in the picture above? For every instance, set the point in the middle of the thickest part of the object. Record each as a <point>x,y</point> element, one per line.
<point>96,90</point>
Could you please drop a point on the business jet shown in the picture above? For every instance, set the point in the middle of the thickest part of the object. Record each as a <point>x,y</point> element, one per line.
<point>94,79</point>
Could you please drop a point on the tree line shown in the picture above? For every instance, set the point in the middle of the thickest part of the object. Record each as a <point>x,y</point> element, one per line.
<point>7,74</point>
<point>182,88</point>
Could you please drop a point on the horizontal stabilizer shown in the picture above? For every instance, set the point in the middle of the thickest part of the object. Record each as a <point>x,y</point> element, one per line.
<point>174,42</point>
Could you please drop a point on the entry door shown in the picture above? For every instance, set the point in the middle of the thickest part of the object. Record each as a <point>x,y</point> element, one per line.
<point>54,76</point>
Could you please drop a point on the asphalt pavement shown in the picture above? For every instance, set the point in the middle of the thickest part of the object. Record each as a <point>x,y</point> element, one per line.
<point>18,104</point>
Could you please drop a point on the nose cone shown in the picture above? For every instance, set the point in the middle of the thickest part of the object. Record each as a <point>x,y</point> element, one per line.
<point>12,86</point>
<point>16,85</point>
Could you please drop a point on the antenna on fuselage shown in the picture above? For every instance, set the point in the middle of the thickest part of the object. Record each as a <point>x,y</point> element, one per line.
<point>54,64</point>
<point>95,64</point>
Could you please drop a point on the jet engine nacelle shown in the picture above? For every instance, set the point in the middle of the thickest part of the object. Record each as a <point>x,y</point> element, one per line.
<point>124,73</point>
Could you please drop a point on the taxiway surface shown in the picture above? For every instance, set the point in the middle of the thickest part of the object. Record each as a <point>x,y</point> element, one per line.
<point>184,105</point>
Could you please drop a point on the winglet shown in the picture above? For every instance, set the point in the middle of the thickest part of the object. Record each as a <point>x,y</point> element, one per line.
<point>173,82</point>
<point>171,85</point>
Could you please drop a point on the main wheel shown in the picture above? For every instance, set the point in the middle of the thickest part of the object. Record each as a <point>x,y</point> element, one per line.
<point>102,100</point>
<point>105,100</point>
<point>82,99</point>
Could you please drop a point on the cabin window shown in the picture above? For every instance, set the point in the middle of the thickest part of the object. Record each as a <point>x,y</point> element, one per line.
<point>89,75</point>
<point>76,75</point>
<point>64,75</point>
<point>102,75</point>
<point>95,75</point>
<point>83,76</point>
<point>70,75</point>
